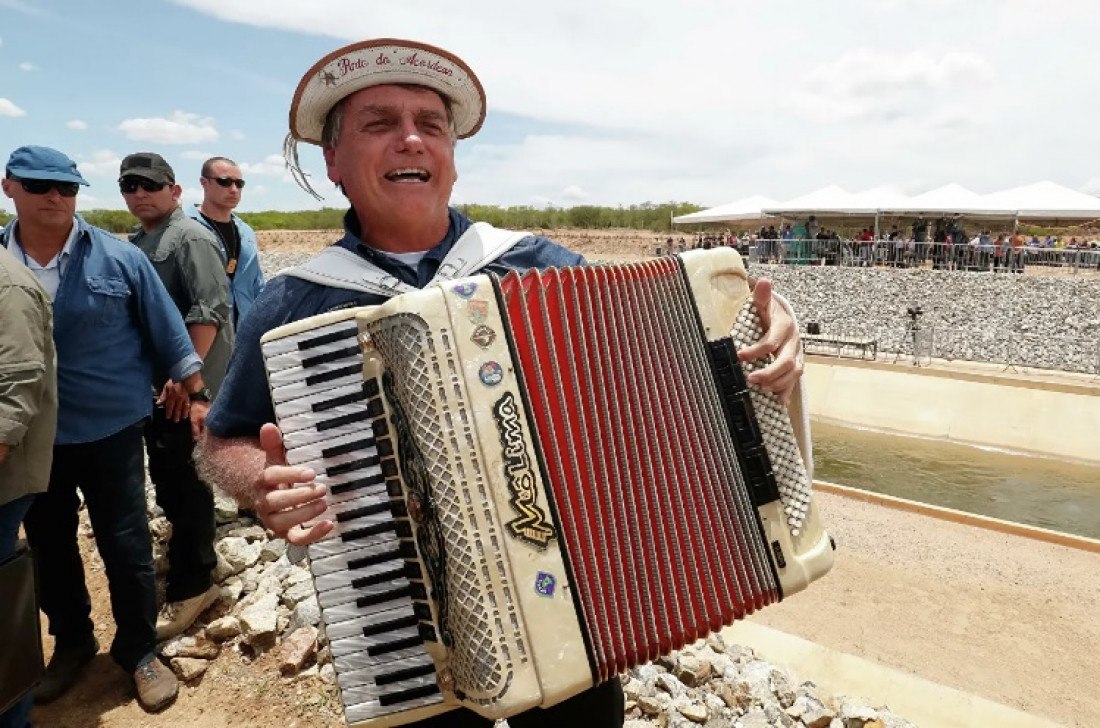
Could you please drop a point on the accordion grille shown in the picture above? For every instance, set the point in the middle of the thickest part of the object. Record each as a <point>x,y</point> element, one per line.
<point>426,394</point>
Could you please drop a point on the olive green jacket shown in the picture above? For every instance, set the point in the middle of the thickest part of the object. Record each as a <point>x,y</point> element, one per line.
<point>28,381</point>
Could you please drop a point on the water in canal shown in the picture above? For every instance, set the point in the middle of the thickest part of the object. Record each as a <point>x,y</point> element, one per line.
<point>1039,491</point>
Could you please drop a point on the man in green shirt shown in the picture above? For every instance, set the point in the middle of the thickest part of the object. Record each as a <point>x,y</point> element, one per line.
<point>188,259</point>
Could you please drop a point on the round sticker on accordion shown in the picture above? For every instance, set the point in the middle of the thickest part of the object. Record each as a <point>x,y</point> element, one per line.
<point>545,584</point>
<point>490,374</point>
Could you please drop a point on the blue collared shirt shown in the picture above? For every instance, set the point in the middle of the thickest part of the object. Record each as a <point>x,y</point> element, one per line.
<point>244,403</point>
<point>112,319</point>
<point>48,275</point>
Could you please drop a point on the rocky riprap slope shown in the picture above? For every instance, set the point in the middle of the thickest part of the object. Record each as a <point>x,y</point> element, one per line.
<point>1038,321</point>
<point>268,604</point>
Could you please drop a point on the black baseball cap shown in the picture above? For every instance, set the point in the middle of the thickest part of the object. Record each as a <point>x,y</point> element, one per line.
<point>148,165</point>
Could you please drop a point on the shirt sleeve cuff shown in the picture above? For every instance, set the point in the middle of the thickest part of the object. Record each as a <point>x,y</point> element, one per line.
<point>201,313</point>
<point>185,367</point>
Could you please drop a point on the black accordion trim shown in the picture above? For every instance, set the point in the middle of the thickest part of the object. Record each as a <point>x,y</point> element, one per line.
<point>752,456</point>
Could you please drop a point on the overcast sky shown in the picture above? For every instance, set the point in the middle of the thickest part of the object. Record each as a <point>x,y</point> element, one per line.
<point>608,102</point>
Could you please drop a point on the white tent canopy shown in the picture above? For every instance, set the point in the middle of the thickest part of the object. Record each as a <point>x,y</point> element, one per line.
<point>1047,200</point>
<point>1042,200</point>
<point>746,209</point>
<point>952,198</point>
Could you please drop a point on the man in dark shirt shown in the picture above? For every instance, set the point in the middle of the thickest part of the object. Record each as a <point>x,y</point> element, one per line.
<point>388,144</point>
<point>222,187</point>
<point>188,260</point>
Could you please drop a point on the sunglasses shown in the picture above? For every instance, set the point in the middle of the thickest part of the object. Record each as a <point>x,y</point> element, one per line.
<point>228,181</point>
<point>43,186</point>
<point>130,186</point>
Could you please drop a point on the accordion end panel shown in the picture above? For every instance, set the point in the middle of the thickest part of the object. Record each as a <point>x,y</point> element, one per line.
<point>799,554</point>
<point>807,556</point>
<point>498,637</point>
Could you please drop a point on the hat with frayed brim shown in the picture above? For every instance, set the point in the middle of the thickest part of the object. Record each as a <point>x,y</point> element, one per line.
<point>385,61</point>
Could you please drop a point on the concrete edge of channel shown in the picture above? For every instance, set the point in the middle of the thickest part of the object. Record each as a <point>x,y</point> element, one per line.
<point>970,519</point>
<point>923,702</point>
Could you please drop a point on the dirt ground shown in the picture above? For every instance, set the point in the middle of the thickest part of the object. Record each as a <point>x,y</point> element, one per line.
<point>594,244</point>
<point>1005,617</point>
<point>237,691</point>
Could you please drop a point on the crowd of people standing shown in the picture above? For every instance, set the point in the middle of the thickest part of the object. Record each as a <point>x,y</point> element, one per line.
<point>112,351</point>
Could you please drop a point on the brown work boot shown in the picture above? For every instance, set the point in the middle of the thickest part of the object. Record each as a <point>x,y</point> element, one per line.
<point>175,617</point>
<point>156,686</point>
<point>63,671</point>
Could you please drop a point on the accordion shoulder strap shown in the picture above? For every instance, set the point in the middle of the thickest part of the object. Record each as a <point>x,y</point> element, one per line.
<point>338,267</point>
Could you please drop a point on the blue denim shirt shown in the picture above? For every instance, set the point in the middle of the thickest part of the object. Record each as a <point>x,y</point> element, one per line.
<point>112,319</point>
<point>244,403</point>
<point>248,280</point>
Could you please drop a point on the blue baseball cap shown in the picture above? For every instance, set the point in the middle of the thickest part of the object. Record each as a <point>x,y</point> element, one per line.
<point>43,163</point>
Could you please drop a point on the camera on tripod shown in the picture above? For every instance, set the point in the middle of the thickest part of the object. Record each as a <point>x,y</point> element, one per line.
<point>914,312</point>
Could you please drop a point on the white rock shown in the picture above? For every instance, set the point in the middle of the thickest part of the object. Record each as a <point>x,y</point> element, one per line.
<point>225,628</point>
<point>272,550</point>
<point>236,554</point>
<point>259,621</point>
<point>305,613</point>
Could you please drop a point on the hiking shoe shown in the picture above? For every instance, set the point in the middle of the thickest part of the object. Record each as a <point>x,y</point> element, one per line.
<point>63,671</point>
<point>176,617</point>
<point>156,685</point>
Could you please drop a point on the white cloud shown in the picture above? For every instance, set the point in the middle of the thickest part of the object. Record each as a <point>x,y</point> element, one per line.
<point>102,162</point>
<point>191,194</point>
<point>888,85</point>
<point>273,165</point>
<point>8,108</point>
<point>257,190</point>
<point>574,193</point>
<point>27,66</point>
<point>77,124</point>
<point>710,102</point>
<point>237,135</point>
<point>180,127</point>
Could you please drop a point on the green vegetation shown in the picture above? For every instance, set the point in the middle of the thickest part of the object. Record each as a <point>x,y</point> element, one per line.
<point>646,216</point>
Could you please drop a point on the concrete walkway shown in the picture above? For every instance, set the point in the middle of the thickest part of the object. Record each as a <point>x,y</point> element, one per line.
<point>1000,616</point>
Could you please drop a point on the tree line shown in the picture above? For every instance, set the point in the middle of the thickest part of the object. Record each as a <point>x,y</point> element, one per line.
<point>646,216</point>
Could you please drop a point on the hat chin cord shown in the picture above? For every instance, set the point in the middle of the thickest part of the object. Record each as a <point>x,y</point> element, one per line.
<point>290,156</point>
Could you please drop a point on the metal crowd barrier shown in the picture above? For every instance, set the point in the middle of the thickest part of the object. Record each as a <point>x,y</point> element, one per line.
<point>911,254</point>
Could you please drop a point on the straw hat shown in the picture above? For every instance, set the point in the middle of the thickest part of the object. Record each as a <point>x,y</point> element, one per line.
<point>385,61</point>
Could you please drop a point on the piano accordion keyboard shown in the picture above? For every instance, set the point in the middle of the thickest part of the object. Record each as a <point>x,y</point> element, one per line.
<point>372,597</point>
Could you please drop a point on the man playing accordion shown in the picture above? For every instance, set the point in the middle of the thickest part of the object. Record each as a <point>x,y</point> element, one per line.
<point>387,115</point>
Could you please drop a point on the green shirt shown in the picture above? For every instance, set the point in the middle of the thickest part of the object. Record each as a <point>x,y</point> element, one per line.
<point>28,381</point>
<point>188,259</point>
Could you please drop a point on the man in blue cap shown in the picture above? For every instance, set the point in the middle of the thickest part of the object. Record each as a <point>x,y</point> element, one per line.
<point>113,320</point>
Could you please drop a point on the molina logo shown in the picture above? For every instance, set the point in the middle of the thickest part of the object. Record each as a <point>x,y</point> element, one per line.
<point>531,525</point>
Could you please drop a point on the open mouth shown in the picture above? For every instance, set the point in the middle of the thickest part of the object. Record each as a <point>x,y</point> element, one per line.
<point>409,174</point>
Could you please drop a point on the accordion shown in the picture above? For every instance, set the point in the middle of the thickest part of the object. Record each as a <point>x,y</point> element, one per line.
<point>540,481</point>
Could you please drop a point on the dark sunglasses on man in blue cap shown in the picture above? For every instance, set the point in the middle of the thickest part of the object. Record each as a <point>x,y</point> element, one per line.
<point>43,186</point>
<point>40,169</point>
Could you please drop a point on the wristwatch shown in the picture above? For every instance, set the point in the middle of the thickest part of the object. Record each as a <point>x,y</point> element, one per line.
<point>202,395</point>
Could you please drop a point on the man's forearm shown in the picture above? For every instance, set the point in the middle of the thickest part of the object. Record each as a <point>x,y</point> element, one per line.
<point>230,464</point>
<point>202,337</point>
